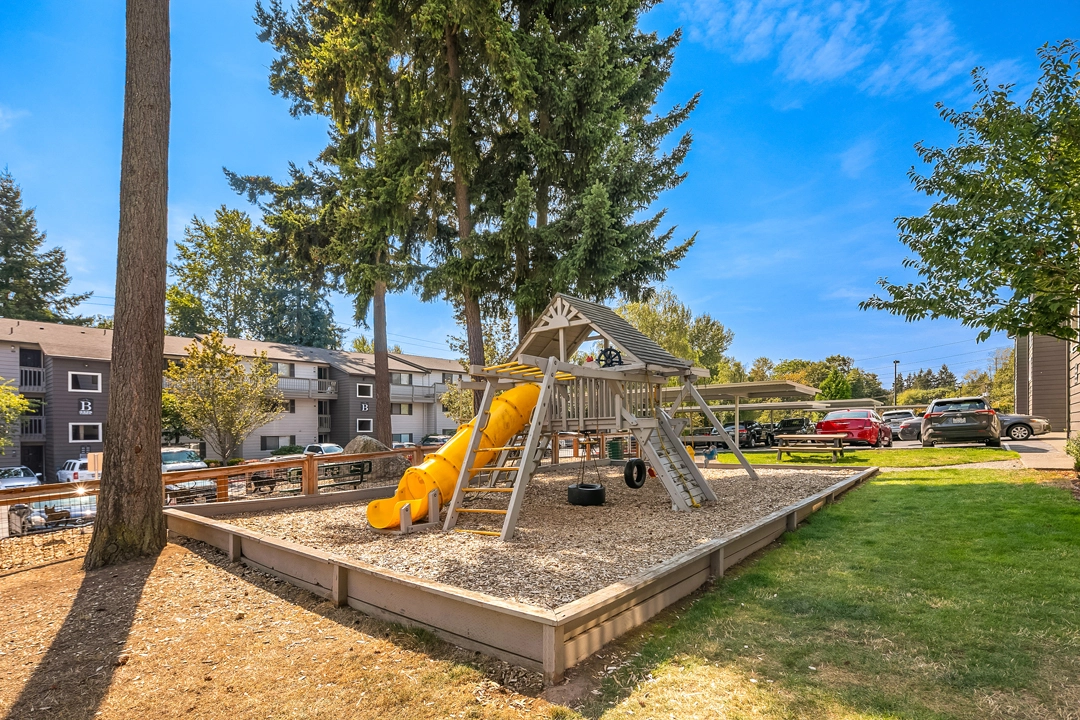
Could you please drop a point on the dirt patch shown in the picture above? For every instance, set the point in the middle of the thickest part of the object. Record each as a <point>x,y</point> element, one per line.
<point>17,553</point>
<point>561,552</point>
<point>188,634</point>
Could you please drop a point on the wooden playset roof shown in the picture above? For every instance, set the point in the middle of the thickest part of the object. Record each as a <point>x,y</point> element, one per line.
<point>568,322</point>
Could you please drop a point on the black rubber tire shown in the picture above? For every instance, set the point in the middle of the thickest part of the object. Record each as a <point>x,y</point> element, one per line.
<point>585,494</point>
<point>928,443</point>
<point>634,473</point>
<point>1020,432</point>
<point>993,443</point>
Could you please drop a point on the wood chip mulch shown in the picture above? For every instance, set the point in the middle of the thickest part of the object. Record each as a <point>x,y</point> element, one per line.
<point>22,552</point>
<point>561,552</point>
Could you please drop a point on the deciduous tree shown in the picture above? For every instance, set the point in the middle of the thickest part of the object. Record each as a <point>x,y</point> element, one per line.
<point>701,339</point>
<point>999,249</point>
<point>12,406</point>
<point>129,521</point>
<point>221,397</point>
<point>834,387</point>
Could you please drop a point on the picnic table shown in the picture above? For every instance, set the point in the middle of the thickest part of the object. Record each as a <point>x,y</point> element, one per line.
<point>830,443</point>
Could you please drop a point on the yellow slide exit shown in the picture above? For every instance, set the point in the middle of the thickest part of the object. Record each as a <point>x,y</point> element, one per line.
<point>510,413</point>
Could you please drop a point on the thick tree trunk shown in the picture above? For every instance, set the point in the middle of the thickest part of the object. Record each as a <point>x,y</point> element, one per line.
<point>383,428</point>
<point>129,519</point>
<point>474,331</point>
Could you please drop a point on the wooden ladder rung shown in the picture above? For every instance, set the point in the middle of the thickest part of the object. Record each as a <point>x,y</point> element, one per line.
<point>483,511</point>
<point>493,533</point>
<point>497,468</point>
<point>489,489</point>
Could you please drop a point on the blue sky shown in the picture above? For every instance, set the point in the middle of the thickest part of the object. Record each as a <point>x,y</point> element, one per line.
<point>803,138</point>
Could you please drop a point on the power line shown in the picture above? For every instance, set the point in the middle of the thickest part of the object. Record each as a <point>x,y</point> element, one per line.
<point>927,360</point>
<point>905,352</point>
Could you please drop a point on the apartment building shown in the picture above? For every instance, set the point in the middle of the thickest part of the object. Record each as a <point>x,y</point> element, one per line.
<point>64,370</point>
<point>1047,381</point>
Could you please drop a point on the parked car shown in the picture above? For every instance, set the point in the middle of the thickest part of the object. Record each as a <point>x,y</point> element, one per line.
<point>24,518</point>
<point>179,459</point>
<point>895,418</point>
<point>751,434</point>
<point>911,429</point>
<point>963,419</point>
<point>19,476</point>
<point>76,471</point>
<point>323,449</point>
<point>794,426</point>
<point>435,440</point>
<point>403,445</point>
<point>1021,427</point>
<point>864,426</point>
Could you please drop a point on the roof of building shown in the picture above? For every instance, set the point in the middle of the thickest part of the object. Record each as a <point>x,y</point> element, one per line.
<point>76,341</point>
<point>758,389</point>
<point>578,319</point>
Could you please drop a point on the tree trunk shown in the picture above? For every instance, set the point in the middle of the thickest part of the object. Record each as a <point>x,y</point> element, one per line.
<point>383,428</point>
<point>474,331</point>
<point>129,521</point>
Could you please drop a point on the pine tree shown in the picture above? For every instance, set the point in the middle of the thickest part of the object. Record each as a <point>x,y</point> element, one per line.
<point>32,280</point>
<point>834,387</point>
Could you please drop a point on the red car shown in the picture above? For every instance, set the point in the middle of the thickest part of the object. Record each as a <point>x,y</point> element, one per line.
<point>859,426</point>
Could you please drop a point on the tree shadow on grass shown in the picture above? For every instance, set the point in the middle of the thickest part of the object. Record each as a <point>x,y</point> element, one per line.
<point>75,673</point>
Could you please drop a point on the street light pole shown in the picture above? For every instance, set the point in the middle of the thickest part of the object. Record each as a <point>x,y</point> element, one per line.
<point>895,364</point>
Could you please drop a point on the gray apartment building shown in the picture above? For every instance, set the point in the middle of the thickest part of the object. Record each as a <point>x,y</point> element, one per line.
<point>329,394</point>
<point>1047,381</point>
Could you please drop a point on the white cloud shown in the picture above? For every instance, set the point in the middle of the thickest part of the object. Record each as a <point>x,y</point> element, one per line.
<point>858,157</point>
<point>8,117</point>
<point>883,47</point>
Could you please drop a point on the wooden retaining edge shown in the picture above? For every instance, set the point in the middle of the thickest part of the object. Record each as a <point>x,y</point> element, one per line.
<point>233,507</point>
<point>523,634</point>
<point>783,466</point>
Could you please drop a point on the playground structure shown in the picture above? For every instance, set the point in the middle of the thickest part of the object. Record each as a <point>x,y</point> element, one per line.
<point>541,392</point>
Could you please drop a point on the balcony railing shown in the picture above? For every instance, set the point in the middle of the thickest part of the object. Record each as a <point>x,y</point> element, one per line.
<point>416,393</point>
<point>31,379</point>
<point>293,387</point>
<point>324,423</point>
<point>32,428</point>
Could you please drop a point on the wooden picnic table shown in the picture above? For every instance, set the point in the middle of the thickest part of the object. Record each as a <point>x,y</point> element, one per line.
<point>829,442</point>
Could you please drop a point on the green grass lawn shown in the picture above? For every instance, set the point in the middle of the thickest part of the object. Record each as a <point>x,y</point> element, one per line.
<point>908,457</point>
<point>923,594</point>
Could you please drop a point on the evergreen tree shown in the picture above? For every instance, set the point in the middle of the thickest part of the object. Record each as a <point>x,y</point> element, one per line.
<point>583,163</point>
<point>32,280</point>
<point>945,379</point>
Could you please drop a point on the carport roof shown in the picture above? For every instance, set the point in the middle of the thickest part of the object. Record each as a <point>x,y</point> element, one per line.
<point>755,390</point>
<point>814,405</point>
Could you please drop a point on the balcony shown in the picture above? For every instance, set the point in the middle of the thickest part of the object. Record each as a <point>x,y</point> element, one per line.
<point>31,379</point>
<point>324,423</point>
<point>32,429</point>
<point>292,387</point>
<point>415,393</point>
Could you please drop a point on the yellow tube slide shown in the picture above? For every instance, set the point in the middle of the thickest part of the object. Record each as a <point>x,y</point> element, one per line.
<point>510,412</point>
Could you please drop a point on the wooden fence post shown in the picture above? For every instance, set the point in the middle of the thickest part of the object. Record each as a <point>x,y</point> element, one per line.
<point>222,483</point>
<point>309,480</point>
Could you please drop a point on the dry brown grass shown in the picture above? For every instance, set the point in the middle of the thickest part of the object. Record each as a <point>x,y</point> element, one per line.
<point>190,635</point>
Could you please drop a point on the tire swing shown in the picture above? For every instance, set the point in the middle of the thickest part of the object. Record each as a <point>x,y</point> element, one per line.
<point>634,473</point>
<point>586,494</point>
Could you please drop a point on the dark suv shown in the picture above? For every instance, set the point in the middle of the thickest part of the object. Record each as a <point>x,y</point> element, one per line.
<point>965,419</point>
<point>794,426</point>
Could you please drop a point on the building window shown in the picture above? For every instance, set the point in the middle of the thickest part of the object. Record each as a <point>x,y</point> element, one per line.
<point>364,390</point>
<point>449,378</point>
<point>402,437</point>
<point>401,408</point>
<point>290,406</point>
<point>365,425</point>
<point>400,379</point>
<point>84,432</point>
<point>273,442</point>
<point>84,382</point>
<point>284,369</point>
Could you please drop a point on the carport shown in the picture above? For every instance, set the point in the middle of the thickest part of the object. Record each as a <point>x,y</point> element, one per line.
<point>784,391</point>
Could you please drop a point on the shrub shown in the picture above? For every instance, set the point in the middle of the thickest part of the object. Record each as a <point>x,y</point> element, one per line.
<point>213,463</point>
<point>235,461</point>
<point>288,450</point>
<point>1072,447</point>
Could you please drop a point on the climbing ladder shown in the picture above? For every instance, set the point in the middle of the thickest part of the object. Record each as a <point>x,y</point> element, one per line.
<point>509,472</point>
<point>677,471</point>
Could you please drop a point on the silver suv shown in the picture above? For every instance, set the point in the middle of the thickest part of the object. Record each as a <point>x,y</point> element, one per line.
<point>964,419</point>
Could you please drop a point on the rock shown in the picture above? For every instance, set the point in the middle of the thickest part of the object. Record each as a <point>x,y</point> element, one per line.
<point>388,469</point>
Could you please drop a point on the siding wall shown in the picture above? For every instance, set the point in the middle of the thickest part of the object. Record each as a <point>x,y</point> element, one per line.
<point>1048,383</point>
<point>1074,390</point>
<point>9,370</point>
<point>62,408</point>
<point>1020,382</point>
<point>348,408</point>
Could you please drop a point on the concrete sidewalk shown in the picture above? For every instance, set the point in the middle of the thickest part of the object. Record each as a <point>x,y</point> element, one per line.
<point>1045,453</point>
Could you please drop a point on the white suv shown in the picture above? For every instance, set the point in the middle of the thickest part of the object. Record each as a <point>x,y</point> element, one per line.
<point>76,471</point>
